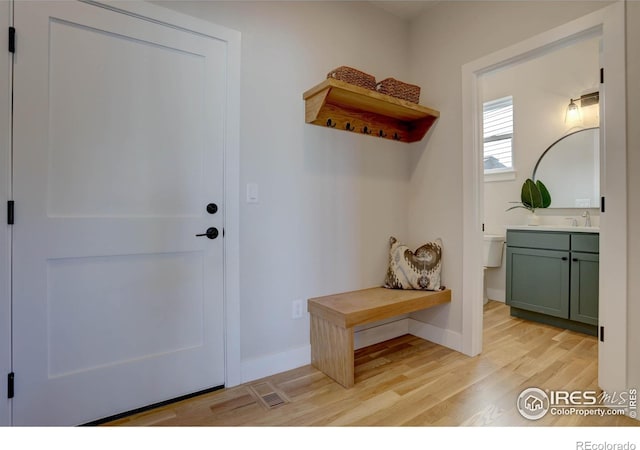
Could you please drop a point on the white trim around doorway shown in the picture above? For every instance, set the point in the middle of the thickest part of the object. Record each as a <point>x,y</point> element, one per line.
<point>5,232</point>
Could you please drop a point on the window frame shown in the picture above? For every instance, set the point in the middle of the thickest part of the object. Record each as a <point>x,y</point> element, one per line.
<point>507,173</point>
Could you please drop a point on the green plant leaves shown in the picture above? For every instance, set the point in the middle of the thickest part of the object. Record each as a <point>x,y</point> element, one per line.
<point>534,195</point>
<point>544,193</point>
<point>530,195</point>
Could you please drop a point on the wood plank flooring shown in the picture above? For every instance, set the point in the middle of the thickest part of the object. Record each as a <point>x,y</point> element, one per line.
<point>408,381</point>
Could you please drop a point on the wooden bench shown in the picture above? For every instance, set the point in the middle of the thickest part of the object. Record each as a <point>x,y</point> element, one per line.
<point>334,316</point>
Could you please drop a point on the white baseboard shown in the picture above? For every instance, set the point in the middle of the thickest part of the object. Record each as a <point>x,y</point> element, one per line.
<point>498,295</point>
<point>441,336</point>
<point>380,333</point>
<point>265,366</point>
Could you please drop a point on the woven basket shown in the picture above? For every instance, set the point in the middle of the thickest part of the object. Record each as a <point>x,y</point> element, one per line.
<point>353,76</point>
<point>399,89</point>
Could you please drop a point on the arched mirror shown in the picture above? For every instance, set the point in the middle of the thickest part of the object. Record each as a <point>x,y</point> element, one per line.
<point>570,169</point>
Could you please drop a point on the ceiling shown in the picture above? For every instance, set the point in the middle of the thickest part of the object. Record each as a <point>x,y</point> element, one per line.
<point>404,9</point>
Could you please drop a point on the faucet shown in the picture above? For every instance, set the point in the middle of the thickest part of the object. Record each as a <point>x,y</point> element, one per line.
<point>587,218</point>
<point>574,222</point>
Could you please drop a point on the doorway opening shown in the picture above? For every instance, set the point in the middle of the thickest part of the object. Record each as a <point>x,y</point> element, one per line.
<point>517,133</point>
<point>607,23</point>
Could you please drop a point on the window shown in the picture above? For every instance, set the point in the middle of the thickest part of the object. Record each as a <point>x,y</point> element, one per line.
<point>497,120</point>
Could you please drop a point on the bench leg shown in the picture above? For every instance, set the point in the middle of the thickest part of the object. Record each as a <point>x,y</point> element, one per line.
<point>332,350</point>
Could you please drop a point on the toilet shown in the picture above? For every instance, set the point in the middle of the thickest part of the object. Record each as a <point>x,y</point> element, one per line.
<point>492,257</point>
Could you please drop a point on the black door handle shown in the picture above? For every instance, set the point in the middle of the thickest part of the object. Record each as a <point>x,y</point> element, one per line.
<point>211,233</point>
<point>564,258</point>
<point>212,208</point>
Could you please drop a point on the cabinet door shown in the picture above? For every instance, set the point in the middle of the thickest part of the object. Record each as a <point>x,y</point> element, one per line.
<point>584,287</point>
<point>538,280</point>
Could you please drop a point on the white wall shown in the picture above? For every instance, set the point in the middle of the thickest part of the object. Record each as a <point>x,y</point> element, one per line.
<point>633,187</point>
<point>447,36</point>
<point>329,200</point>
<point>541,89</point>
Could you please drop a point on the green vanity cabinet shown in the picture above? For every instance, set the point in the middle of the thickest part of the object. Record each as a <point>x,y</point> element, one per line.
<point>552,277</point>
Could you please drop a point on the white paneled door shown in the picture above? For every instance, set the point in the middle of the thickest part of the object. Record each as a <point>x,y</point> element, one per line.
<point>117,152</point>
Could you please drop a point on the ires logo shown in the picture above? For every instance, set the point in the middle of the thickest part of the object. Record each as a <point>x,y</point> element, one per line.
<point>534,403</point>
<point>575,398</point>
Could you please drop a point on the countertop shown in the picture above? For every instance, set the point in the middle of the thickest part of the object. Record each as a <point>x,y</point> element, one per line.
<point>571,229</point>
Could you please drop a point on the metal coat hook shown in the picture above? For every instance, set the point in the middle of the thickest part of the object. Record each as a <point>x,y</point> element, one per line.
<point>382,134</point>
<point>330,123</point>
<point>396,137</point>
<point>348,127</point>
<point>366,130</point>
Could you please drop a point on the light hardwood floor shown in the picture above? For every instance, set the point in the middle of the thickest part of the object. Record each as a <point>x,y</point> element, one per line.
<point>411,382</point>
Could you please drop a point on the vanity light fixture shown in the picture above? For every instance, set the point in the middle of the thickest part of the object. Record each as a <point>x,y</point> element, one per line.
<point>592,98</point>
<point>574,112</point>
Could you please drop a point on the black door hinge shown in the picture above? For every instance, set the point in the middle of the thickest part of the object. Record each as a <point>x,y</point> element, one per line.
<point>601,75</point>
<point>10,212</point>
<point>12,40</point>
<point>601,204</point>
<point>601,334</point>
<point>10,391</point>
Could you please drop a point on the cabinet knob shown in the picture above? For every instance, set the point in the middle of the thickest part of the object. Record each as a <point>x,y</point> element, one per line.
<point>575,260</point>
<point>564,258</point>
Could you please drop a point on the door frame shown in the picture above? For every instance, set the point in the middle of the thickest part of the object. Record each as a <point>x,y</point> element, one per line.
<point>231,227</point>
<point>5,194</point>
<point>613,224</point>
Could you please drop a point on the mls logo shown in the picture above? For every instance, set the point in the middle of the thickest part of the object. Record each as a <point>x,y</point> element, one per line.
<point>533,403</point>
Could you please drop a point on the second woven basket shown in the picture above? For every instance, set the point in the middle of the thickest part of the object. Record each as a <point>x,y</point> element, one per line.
<point>399,89</point>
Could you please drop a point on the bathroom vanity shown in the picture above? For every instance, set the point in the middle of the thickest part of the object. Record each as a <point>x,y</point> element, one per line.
<point>552,275</point>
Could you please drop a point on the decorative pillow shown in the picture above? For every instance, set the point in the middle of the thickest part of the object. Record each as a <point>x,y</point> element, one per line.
<point>414,270</point>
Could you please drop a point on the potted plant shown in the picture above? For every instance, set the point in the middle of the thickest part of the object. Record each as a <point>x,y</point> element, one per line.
<point>533,195</point>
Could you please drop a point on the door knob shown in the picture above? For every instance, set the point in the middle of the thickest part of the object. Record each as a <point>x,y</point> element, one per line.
<point>211,233</point>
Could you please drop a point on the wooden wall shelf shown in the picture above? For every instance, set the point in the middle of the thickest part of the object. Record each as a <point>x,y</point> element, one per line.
<point>343,106</point>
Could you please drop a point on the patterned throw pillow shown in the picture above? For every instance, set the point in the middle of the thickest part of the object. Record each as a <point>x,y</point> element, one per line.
<point>414,270</point>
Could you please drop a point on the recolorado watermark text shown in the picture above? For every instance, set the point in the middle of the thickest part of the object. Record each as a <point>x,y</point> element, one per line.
<point>589,445</point>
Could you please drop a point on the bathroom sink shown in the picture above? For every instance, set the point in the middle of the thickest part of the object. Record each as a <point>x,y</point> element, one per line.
<point>576,229</point>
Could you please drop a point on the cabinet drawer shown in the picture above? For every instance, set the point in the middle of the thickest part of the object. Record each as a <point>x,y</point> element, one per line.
<point>584,242</point>
<point>538,239</point>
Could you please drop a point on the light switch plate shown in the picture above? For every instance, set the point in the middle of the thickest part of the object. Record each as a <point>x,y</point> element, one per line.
<point>252,192</point>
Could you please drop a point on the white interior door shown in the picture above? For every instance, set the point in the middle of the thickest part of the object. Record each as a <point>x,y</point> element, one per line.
<point>118,149</point>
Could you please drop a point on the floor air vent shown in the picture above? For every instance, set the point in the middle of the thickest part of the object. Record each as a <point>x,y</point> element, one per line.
<point>268,396</point>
